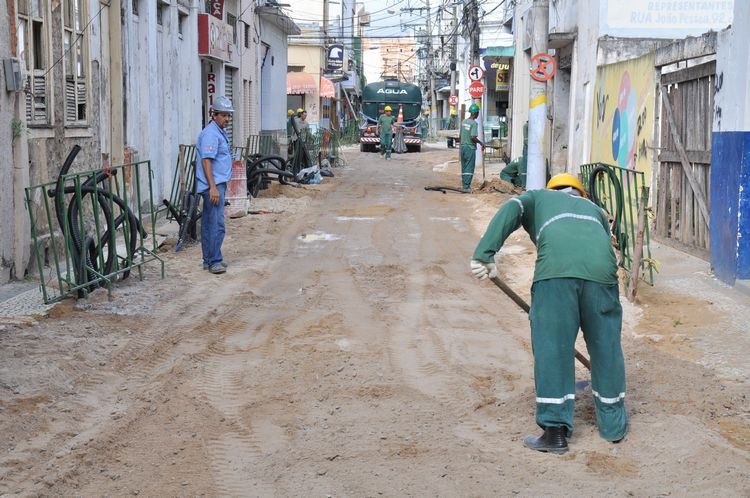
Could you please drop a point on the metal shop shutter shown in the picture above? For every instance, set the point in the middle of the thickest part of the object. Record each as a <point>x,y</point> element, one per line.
<point>228,92</point>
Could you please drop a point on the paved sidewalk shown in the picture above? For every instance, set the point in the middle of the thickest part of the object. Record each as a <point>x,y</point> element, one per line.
<point>710,316</point>
<point>21,302</point>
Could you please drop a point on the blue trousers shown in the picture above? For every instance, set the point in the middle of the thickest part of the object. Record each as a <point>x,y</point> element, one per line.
<point>212,226</point>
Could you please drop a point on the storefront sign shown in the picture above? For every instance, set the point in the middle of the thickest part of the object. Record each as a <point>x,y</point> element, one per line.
<point>210,94</point>
<point>502,78</point>
<point>335,58</point>
<point>214,37</point>
<point>215,8</point>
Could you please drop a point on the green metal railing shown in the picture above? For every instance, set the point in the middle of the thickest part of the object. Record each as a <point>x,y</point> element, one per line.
<point>631,182</point>
<point>349,134</point>
<point>100,233</point>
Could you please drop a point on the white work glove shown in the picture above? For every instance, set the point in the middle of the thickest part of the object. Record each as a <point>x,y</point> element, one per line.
<point>483,270</point>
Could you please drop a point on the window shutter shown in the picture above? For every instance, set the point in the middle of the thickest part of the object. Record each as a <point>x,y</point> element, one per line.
<point>36,99</point>
<point>81,99</point>
<point>70,99</point>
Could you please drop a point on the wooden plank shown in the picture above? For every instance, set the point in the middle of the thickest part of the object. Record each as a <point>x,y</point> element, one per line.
<point>688,235</point>
<point>662,208</point>
<point>691,73</point>
<point>693,116</point>
<point>674,200</point>
<point>694,156</point>
<point>697,188</point>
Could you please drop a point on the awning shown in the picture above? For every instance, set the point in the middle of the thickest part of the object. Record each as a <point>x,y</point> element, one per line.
<point>498,51</point>
<point>298,83</point>
<point>326,88</point>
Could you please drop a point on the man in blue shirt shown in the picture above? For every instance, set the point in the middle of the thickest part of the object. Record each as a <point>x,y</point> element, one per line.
<point>213,171</point>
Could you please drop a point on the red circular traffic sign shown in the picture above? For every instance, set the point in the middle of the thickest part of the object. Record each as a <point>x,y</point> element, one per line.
<point>543,67</point>
<point>476,89</point>
<point>453,100</point>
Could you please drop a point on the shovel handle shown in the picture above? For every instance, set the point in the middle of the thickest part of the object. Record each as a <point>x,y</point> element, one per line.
<point>525,306</point>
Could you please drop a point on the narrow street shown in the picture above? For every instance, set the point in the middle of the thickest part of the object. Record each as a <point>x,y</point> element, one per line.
<point>349,352</point>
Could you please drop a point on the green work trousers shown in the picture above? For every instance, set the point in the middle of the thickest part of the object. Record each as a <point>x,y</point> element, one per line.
<point>559,306</point>
<point>468,159</point>
<point>386,143</point>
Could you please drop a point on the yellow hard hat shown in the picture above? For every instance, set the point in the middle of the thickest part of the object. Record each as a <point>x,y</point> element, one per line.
<point>453,111</point>
<point>562,180</point>
<point>426,111</point>
<point>387,108</point>
<point>300,110</point>
<point>289,112</point>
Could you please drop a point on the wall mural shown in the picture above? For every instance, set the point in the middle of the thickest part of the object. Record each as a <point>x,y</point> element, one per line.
<point>623,129</point>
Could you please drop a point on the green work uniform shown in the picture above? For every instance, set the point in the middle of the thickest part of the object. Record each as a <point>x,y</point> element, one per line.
<point>575,285</point>
<point>468,151</point>
<point>386,134</point>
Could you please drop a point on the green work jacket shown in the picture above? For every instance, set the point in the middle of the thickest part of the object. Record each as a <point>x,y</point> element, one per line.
<point>571,235</point>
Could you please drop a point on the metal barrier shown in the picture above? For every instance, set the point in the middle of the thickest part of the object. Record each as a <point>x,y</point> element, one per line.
<point>96,225</point>
<point>184,173</point>
<point>184,176</point>
<point>259,144</point>
<point>631,182</point>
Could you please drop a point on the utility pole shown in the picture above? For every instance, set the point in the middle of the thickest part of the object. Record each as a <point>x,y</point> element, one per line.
<point>429,61</point>
<point>454,56</point>
<point>476,61</point>
<point>536,174</point>
<point>430,74</point>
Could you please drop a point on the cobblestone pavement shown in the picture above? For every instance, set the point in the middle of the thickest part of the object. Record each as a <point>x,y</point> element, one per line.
<point>26,304</point>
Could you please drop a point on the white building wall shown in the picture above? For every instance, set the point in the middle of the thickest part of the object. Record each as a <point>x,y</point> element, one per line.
<point>248,119</point>
<point>582,83</point>
<point>521,80</point>
<point>732,98</point>
<point>162,88</point>
<point>273,78</point>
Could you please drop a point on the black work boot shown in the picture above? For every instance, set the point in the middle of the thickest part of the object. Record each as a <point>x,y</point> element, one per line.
<point>552,441</point>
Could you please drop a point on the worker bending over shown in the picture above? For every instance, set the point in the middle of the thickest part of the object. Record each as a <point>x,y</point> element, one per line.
<point>575,285</point>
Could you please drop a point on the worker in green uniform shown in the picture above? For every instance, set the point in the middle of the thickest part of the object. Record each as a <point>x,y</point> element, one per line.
<point>386,132</point>
<point>469,140</point>
<point>575,285</point>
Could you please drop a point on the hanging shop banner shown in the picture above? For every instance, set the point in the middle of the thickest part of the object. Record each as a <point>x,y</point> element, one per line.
<point>214,37</point>
<point>215,8</point>
<point>335,57</point>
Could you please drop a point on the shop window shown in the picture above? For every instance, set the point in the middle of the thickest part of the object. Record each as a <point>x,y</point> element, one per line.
<point>75,63</point>
<point>34,51</point>
<point>232,21</point>
<point>182,19</point>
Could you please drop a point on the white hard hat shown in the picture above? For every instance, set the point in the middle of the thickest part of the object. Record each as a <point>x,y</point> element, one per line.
<point>223,104</point>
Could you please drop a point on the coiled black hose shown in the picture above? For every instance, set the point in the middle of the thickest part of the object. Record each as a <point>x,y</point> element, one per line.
<point>87,250</point>
<point>258,169</point>
<point>620,236</point>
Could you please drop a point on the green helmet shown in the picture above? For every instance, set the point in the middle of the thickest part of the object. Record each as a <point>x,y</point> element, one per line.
<point>474,108</point>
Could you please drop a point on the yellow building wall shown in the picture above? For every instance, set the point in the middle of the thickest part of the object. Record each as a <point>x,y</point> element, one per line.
<point>623,121</point>
<point>311,57</point>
